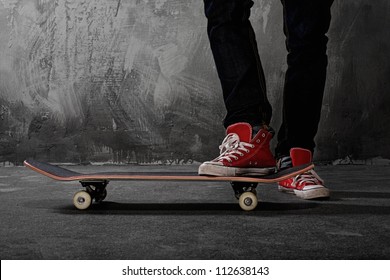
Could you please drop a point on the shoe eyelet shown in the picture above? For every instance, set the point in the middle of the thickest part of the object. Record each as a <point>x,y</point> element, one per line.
<point>258,141</point>
<point>263,135</point>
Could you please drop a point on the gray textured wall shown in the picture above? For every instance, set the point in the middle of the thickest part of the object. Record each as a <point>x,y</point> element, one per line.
<point>134,80</point>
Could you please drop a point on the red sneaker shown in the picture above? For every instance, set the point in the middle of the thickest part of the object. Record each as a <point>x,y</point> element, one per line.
<point>242,155</point>
<point>307,185</point>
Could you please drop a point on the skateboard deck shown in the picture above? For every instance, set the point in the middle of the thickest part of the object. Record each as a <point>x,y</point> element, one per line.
<point>95,183</point>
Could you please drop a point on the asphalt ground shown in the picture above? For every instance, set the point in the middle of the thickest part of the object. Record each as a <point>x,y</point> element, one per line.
<point>194,220</point>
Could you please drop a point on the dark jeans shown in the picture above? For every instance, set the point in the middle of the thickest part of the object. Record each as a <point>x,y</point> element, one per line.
<point>238,64</point>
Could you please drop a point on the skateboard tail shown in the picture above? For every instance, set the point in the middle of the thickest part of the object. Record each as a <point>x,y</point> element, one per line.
<point>36,166</point>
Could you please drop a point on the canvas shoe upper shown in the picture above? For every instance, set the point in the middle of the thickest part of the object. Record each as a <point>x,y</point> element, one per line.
<point>307,185</point>
<point>242,155</point>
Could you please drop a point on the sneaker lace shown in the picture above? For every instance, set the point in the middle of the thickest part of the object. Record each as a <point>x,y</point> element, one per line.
<point>309,178</point>
<point>232,146</point>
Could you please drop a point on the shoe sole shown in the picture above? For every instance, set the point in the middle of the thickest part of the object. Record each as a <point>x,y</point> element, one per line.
<point>225,171</point>
<point>285,190</point>
<point>314,192</point>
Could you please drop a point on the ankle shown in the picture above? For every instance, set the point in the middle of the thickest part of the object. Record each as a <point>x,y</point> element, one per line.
<point>257,128</point>
<point>283,162</point>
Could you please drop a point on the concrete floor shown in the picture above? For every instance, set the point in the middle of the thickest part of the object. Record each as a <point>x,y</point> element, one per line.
<point>184,220</point>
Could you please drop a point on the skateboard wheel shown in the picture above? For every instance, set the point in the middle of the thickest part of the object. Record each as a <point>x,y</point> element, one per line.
<point>82,200</point>
<point>248,201</point>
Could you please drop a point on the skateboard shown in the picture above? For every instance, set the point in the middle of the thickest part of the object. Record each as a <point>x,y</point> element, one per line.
<point>95,184</point>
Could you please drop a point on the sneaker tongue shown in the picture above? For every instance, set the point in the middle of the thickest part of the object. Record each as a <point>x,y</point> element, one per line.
<point>243,130</point>
<point>300,156</point>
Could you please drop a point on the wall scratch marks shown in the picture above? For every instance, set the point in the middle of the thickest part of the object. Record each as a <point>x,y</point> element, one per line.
<point>134,81</point>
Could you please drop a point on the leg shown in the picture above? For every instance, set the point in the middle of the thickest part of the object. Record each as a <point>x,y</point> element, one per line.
<point>305,24</point>
<point>245,150</point>
<point>235,52</point>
